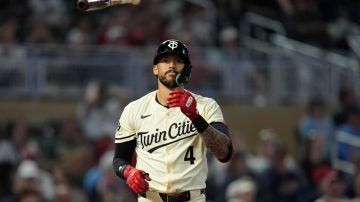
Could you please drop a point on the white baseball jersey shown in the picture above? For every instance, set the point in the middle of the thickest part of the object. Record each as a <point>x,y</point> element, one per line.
<point>168,146</point>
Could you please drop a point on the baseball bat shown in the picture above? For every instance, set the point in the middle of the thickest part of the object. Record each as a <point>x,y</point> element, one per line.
<point>91,5</point>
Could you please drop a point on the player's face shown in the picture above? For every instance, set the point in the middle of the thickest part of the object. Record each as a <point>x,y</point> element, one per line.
<point>167,68</point>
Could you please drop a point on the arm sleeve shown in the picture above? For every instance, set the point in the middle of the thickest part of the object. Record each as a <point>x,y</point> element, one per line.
<point>224,129</point>
<point>123,156</point>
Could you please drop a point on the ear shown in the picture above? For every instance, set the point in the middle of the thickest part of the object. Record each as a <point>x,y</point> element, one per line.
<point>155,70</point>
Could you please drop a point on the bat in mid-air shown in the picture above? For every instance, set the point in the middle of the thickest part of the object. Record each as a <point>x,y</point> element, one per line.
<point>91,5</point>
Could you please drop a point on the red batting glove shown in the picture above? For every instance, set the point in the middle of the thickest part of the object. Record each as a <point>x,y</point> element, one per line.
<point>136,179</point>
<point>185,101</point>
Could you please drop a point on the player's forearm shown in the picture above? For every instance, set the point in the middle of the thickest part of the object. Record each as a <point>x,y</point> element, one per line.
<point>123,156</point>
<point>217,142</point>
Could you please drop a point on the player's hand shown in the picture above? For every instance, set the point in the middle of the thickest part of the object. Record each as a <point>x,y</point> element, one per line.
<point>136,179</point>
<point>185,101</point>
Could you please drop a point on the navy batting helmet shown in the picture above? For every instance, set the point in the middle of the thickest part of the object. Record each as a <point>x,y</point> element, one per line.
<point>177,47</point>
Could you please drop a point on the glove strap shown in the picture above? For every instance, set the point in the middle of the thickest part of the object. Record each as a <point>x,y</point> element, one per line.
<point>124,171</point>
<point>200,124</point>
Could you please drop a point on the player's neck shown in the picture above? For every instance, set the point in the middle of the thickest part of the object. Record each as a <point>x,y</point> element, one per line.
<point>163,94</point>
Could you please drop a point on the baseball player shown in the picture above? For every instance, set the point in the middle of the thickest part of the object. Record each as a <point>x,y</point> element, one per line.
<point>170,130</point>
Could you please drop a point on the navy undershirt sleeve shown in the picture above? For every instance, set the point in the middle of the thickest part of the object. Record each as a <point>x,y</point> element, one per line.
<point>123,155</point>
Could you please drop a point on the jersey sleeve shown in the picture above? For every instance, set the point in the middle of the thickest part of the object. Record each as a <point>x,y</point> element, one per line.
<point>125,131</point>
<point>212,112</point>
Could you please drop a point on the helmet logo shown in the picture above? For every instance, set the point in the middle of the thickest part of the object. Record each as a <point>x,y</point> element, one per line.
<point>173,44</point>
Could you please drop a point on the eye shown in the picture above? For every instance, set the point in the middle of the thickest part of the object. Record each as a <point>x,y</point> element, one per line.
<point>164,60</point>
<point>180,61</point>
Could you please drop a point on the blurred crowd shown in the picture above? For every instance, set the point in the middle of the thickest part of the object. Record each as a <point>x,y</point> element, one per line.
<point>316,171</point>
<point>326,23</point>
<point>70,159</point>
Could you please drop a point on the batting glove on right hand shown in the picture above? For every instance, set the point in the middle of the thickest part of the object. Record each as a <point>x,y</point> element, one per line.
<point>186,101</point>
<point>136,179</point>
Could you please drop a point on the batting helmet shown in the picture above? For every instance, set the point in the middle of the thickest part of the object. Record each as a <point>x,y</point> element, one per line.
<point>177,47</point>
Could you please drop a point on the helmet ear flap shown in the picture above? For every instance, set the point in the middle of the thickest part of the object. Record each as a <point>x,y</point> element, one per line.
<point>184,77</point>
<point>187,71</point>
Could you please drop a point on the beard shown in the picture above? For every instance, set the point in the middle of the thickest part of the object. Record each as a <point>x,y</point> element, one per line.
<point>171,84</point>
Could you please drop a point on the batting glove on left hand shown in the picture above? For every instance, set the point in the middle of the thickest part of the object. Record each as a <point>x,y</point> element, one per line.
<point>136,179</point>
<point>185,101</point>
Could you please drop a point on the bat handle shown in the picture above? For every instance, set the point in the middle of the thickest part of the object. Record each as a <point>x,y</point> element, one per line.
<point>145,175</point>
<point>89,5</point>
<point>117,2</point>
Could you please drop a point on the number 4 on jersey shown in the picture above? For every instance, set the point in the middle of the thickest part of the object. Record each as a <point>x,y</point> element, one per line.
<point>189,156</point>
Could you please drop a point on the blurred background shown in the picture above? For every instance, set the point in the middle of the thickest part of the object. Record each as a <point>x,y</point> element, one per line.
<point>285,72</point>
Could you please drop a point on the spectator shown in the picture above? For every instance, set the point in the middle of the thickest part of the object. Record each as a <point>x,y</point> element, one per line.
<point>347,100</point>
<point>229,14</point>
<point>7,171</point>
<point>65,191</point>
<point>196,23</point>
<point>29,194</point>
<point>316,124</point>
<point>39,33</point>
<point>332,187</point>
<point>238,169</point>
<point>229,39</point>
<point>8,153</point>
<point>282,183</point>
<point>80,35</point>
<point>30,175</point>
<point>305,23</point>
<point>54,10</point>
<point>98,112</point>
<point>219,176</point>
<point>114,29</point>
<point>20,139</point>
<point>347,151</point>
<point>312,158</point>
<point>268,141</point>
<point>352,181</point>
<point>75,153</point>
<point>241,190</point>
<point>8,31</point>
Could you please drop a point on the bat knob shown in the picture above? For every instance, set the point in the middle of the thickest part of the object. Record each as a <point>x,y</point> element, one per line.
<point>82,5</point>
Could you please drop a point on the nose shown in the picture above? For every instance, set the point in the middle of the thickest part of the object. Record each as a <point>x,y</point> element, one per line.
<point>172,64</point>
